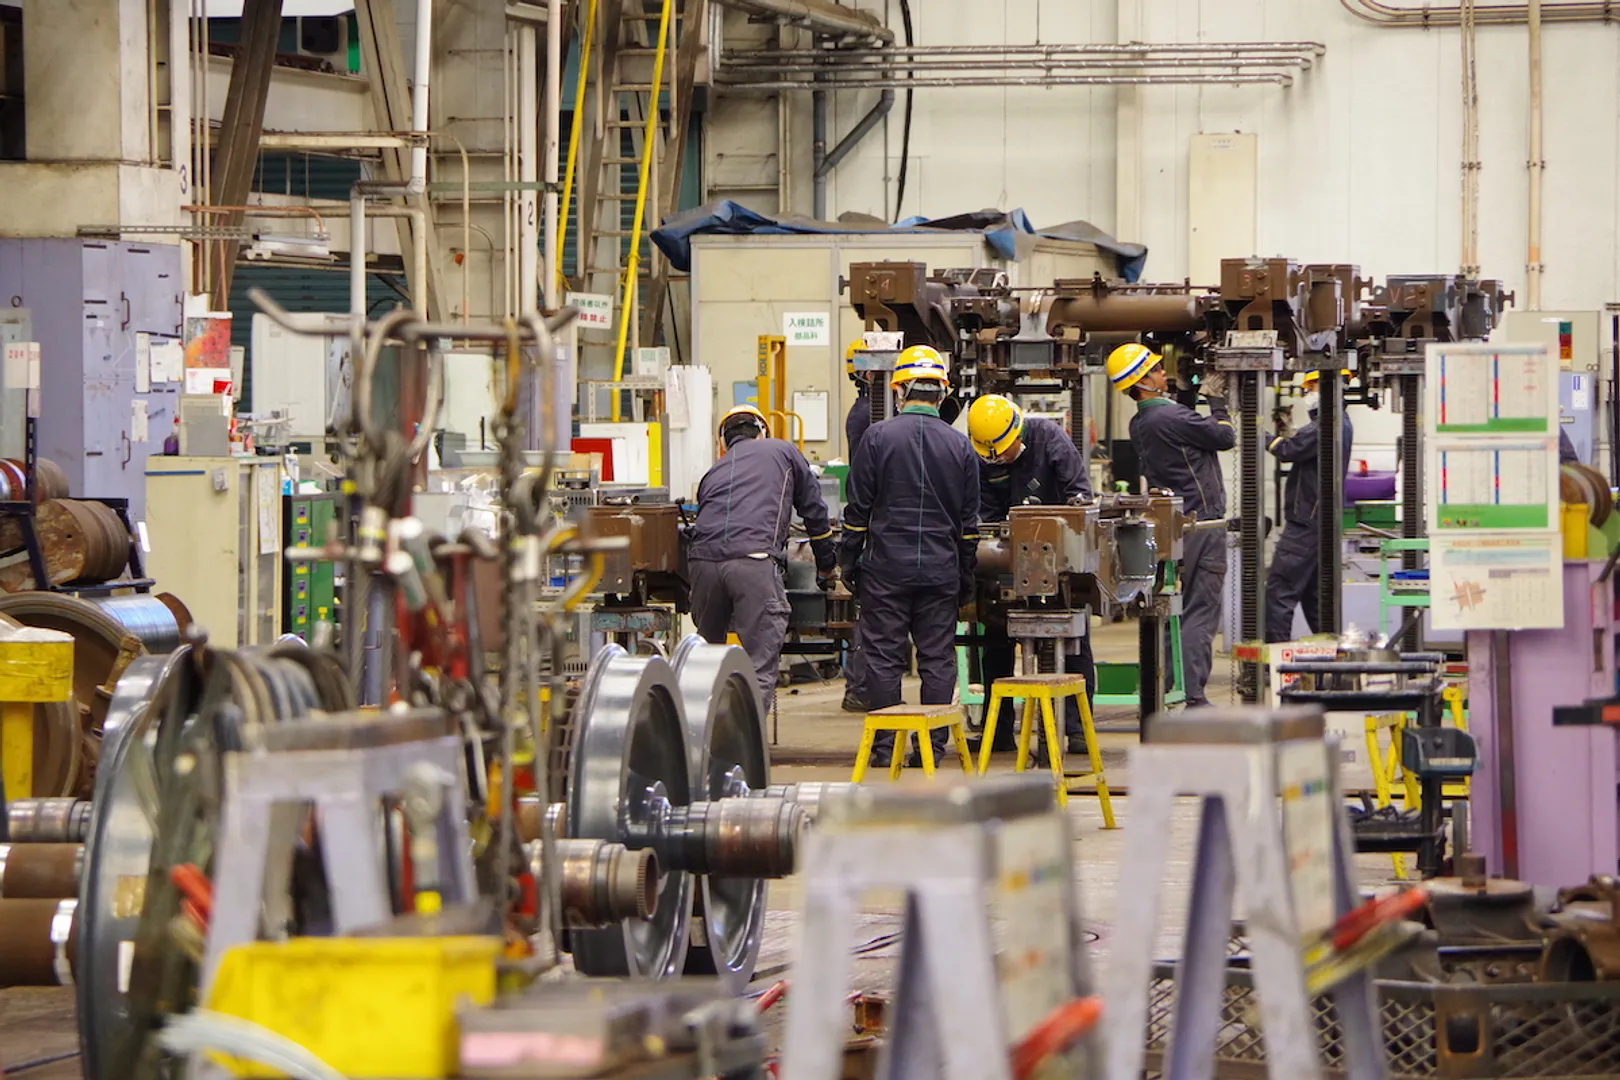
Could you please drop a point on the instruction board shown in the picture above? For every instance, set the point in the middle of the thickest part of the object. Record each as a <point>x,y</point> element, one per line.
<point>1491,487</point>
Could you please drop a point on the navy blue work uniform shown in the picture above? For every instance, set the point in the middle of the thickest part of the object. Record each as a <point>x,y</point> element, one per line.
<point>1291,578</point>
<point>911,539</point>
<point>739,547</point>
<point>858,420</point>
<point>855,425</point>
<point>1049,472</point>
<point>1178,450</point>
<point>1566,449</point>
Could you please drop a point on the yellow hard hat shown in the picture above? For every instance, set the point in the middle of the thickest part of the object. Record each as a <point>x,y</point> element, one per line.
<point>994,424</point>
<point>849,355</point>
<point>743,410</point>
<point>919,362</point>
<point>1313,375</point>
<point>1128,363</point>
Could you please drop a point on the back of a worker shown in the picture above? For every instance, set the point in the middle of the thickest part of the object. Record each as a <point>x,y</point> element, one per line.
<point>911,533</point>
<point>1179,450</point>
<point>738,550</point>
<point>1291,579</point>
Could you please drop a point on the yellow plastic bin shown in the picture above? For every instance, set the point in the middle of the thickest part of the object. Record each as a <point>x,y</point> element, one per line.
<point>368,1007</point>
<point>1574,521</point>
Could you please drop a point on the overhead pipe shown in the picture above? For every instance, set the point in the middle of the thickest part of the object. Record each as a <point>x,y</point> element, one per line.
<point>947,63</point>
<point>417,183</point>
<point>1426,17</point>
<point>818,151</point>
<point>820,16</point>
<point>886,83</point>
<point>1532,269</point>
<point>528,162</point>
<point>827,161</point>
<point>554,63</point>
<point>1312,48</point>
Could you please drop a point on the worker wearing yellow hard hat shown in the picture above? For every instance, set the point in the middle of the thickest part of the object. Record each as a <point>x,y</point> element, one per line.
<point>1291,579</point>
<point>1025,459</point>
<point>860,413</point>
<point>738,550</point>
<point>1178,450</point>
<point>910,542</point>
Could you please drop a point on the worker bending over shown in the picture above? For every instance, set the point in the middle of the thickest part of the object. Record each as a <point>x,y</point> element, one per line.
<point>911,536</point>
<point>739,546</point>
<point>1026,460</point>
<point>1176,448</point>
<point>1291,578</point>
<point>855,425</point>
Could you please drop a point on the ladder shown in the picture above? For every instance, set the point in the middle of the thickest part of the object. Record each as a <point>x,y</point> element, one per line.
<point>625,145</point>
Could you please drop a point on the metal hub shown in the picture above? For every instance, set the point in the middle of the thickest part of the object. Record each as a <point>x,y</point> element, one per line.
<point>725,738</point>
<point>629,740</point>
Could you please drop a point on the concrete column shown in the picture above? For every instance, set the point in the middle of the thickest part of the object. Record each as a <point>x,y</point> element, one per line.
<point>87,85</point>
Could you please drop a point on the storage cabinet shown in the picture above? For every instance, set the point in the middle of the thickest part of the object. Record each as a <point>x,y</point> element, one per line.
<point>214,525</point>
<point>89,299</point>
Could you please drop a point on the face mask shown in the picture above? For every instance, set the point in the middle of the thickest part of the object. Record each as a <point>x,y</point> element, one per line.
<point>1311,400</point>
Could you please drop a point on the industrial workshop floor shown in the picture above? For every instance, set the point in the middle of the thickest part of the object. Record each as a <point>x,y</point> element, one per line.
<point>38,1025</point>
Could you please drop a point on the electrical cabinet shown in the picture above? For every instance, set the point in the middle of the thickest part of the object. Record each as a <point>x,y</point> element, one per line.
<point>214,529</point>
<point>96,307</point>
<point>309,589</point>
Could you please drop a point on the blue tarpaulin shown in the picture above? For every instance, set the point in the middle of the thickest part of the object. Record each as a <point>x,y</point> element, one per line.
<point>1009,232</point>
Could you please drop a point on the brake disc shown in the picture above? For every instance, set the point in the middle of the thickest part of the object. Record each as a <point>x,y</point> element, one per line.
<point>725,740</point>
<point>629,753</point>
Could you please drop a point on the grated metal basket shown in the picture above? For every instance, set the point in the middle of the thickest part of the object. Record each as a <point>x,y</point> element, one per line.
<point>1544,1031</point>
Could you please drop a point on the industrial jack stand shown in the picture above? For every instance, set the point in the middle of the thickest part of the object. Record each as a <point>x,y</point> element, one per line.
<point>967,989</point>
<point>344,766</point>
<point>1270,825</point>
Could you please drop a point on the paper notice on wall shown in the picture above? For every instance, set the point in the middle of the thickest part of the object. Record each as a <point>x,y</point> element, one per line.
<point>138,431</point>
<point>595,310</point>
<point>166,361</point>
<point>675,402</point>
<point>1492,389</point>
<point>1501,582</point>
<point>807,328</point>
<point>267,495</point>
<point>143,363</point>
<point>811,408</point>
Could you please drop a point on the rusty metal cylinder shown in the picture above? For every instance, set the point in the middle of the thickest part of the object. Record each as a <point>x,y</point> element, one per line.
<point>39,941</point>
<point>40,871</point>
<point>811,794</point>
<point>47,821</point>
<point>757,838</point>
<point>1125,312</point>
<point>995,557</point>
<point>601,882</point>
<point>529,818</point>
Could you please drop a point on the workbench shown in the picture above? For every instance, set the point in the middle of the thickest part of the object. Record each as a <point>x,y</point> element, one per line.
<point>1562,781</point>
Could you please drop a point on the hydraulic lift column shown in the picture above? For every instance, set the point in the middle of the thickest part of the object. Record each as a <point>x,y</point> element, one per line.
<point>1249,371</point>
<point>1330,484</point>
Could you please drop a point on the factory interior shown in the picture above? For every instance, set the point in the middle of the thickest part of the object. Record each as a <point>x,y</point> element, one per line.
<point>809,539</point>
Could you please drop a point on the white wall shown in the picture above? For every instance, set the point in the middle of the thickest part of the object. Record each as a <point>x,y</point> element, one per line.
<point>1359,159</point>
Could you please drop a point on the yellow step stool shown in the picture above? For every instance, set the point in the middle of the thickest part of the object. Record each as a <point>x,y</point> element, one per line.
<point>904,721</point>
<point>1047,692</point>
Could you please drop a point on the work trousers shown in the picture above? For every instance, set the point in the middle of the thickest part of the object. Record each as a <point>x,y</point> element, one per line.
<point>1203,584</point>
<point>893,616</point>
<point>1291,581</point>
<point>855,660</point>
<point>998,657</point>
<point>746,597</point>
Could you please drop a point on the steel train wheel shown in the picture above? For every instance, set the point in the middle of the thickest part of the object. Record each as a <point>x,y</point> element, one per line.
<point>726,747</point>
<point>118,850</point>
<point>629,738</point>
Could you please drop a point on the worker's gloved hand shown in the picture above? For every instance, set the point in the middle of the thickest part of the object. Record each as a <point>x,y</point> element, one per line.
<point>852,577</point>
<point>964,589</point>
<point>1214,384</point>
<point>1284,428</point>
<point>827,580</point>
